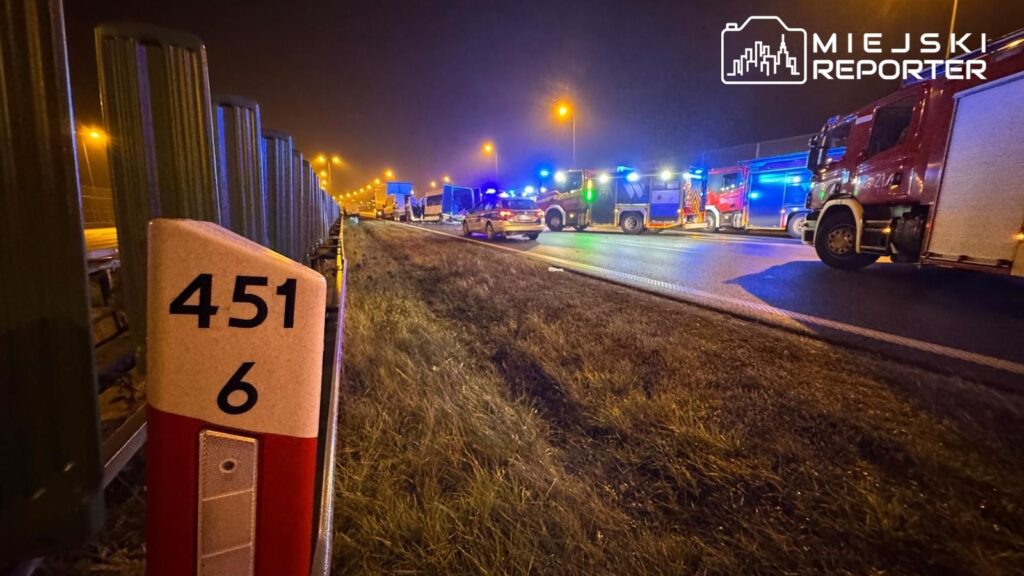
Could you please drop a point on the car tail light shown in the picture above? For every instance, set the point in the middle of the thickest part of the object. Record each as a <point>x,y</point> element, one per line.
<point>505,214</point>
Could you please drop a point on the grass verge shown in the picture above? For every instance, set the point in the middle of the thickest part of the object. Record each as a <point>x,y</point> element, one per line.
<point>500,418</point>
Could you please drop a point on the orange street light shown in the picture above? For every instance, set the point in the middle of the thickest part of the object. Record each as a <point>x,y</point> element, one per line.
<point>564,110</point>
<point>489,148</point>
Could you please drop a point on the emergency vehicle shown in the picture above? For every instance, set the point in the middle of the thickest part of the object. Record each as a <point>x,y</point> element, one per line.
<point>932,174</point>
<point>762,194</point>
<point>624,199</point>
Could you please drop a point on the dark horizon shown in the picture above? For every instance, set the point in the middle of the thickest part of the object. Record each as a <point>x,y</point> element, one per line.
<point>418,88</point>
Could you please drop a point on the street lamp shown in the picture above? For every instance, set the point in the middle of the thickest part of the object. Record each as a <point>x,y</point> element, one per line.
<point>446,180</point>
<point>389,174</point>
<point>489,148</point>
<point>323,160</point>
<point>94,136</point>
<point>564,110</point>
<point>433,183</point>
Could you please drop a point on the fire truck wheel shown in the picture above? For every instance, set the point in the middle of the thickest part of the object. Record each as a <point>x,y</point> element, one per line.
<point>491,235</point>
<point>710,222</point>
<point>795,226</point>
<point>835,243</point>
<point>631,223</point>
<point>554,221</point>
<point>532,235</point>
<point>580,228</point>
<point>465,229</point>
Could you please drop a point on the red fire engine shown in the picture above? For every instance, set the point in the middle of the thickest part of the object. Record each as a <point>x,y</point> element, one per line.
<point>933,173</point>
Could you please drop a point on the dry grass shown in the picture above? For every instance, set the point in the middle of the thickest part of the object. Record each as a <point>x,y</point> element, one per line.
<point>501,419</point>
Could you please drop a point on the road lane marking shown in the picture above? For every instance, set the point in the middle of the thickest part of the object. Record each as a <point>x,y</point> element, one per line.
<point>750,309</point>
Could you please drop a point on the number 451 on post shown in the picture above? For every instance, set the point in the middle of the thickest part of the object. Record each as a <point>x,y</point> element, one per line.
<point>235,353</point>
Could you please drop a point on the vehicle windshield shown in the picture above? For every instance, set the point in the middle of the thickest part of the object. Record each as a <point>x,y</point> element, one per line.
<point>518,204</point>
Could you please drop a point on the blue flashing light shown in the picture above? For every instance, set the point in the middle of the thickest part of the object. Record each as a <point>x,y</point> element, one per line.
<point>503,195</point>
<point>633,177</point>
<point>528,190</point>
<point>544,173</point>
<point>698,171</point>
<point>755,195</point>
<point>623,168</point>
<point>491,191</point>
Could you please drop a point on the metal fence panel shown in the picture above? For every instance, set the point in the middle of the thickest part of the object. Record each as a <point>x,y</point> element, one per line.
<point>240,167</point>
<point>155,94</point>
<point>280,186</point>
<point>50,466</point>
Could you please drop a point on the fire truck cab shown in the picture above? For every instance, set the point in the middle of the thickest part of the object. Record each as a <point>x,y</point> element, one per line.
<point>933,173</point>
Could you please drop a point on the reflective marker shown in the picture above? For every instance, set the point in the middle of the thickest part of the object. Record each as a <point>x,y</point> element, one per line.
<point>236,336</point>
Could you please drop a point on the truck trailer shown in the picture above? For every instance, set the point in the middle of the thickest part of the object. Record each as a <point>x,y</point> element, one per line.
<point>623,199</point>
<point>932,174</point>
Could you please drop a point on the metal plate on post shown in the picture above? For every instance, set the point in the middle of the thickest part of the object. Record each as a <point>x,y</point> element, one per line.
<point>227,504</point>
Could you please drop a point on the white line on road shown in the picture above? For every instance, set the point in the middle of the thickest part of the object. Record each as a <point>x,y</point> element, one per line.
<point>756,310</point>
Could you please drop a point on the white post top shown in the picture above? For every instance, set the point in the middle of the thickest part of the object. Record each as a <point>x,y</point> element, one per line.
<point>236,331</point>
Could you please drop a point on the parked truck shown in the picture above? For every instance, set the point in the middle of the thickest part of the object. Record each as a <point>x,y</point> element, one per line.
<point>625,199</point>
<point>448,203</point>
<point>393,204</point>
<point>931,174</point>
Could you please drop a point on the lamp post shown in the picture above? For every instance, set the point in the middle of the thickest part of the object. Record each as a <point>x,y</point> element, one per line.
<point>95,136</point>
<point>490,148</point>
<point>952,28</point>
<point>565,110</point>
<point>327,162</point>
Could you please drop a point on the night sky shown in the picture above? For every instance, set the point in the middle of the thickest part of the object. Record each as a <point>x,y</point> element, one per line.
<point>419,86</point>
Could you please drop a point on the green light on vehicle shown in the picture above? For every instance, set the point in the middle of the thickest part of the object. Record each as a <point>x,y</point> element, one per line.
<point>589,194</point>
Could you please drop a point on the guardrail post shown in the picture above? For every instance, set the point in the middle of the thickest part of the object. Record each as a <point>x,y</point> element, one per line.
<point>155,93</point>
<point>280,187</point>
<point>240,167</point>
<point>50,468</point>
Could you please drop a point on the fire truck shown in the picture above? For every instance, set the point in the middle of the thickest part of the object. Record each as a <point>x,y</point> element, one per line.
<point>931,174</point>
<point>623,198</point>
<point>762,194</point>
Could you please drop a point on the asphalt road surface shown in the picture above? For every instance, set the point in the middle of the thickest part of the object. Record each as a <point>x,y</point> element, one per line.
<point>966,322</point>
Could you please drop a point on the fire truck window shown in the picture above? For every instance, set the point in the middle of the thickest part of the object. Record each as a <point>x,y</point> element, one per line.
<point>838,135</point>
<point>890,126</point>
<point>434,200</point>
<point>573,180</point>
<point>730,181</point>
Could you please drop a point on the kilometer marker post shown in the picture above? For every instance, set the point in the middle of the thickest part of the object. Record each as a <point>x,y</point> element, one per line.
<point>235,358</point>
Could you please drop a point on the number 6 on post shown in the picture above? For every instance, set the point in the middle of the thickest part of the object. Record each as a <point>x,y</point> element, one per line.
<point>235,353</point>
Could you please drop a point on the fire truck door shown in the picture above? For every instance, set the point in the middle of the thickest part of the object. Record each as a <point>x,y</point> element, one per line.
<point>765,198</point>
